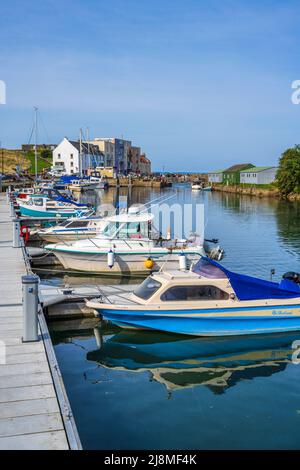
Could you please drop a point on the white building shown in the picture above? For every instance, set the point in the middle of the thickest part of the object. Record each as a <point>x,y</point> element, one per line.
<point>66,157</point>
<point>259,175</point>
<point>215,176</point>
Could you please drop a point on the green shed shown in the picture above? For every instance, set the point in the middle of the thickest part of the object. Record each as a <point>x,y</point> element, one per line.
<point>232,174</point>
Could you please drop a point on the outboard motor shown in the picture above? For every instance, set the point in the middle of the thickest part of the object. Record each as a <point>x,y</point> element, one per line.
<point>292,276</point>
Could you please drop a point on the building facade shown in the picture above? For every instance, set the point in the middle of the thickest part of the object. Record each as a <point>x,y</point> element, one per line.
<point>66,157</point>
<point>215,176</point>
<point>107,147</point>
<point>134,158</point>
<point>259,175</point>
<point>144,165</point>
<point>232,174</point>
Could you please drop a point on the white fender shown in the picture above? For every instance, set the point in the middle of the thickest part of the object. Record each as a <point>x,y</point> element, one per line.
<point>110,259</point>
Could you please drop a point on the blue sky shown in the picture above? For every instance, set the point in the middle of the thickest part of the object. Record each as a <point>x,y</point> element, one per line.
<point>199,85</point>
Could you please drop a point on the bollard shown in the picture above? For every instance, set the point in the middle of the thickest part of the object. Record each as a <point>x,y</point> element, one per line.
<point>30,307</point>
<point>16,233</point>
<point>7,196</point>
<point>12,210</point>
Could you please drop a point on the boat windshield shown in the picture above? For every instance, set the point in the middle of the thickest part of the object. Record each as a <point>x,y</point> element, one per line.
<point>206,269</point>
<point>126,230</point>
<point>148,287</point>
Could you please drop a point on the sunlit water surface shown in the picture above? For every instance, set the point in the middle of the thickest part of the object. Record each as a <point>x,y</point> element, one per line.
<point>139,390</point>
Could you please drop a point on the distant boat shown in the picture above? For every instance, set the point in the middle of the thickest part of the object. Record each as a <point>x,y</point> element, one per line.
<point>197,185</point>
<point>83,184</point>
<point>43,206</point>
<point>207,301</point>
<point>208,188</point>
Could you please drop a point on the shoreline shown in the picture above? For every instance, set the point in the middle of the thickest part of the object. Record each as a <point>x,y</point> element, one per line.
<point>255,191</point>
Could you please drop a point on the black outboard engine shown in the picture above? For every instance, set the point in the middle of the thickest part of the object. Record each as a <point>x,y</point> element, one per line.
<point>292,276</point>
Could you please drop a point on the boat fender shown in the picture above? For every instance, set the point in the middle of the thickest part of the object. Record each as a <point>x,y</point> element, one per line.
<point>182,262</point>
<point>110,259</point>
<point>149,263</point>
<point>24,232</point>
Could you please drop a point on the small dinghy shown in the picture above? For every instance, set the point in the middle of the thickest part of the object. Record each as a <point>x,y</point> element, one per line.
<point>209,300</point>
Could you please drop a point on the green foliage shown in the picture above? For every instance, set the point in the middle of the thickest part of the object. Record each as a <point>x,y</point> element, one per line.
<point>41,161</point>
<point>288,174</point>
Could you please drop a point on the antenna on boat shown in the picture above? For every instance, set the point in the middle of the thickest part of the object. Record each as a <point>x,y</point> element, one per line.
<point>272,272</point>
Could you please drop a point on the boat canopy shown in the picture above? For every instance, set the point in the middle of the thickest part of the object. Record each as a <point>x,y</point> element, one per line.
<point>247,287</point>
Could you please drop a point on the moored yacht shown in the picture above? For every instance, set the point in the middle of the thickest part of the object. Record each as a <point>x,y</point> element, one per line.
<point>128,243</point>
<point>208,300</point>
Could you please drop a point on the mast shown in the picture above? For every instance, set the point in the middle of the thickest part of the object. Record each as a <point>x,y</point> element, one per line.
<point>35,143</point>
<point>80,153</point>
<point>88,146</point>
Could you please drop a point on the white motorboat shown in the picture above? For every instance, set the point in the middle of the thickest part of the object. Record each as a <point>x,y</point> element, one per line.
<point>72,229</point>
<point>197,185</point>
<point>128,243</point>
<point>83,184</point>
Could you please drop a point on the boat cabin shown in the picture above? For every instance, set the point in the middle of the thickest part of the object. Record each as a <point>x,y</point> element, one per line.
<point>169,287</point>
<point>127,226</point>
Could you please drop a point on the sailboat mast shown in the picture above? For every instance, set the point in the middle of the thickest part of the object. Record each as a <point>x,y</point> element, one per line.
<point>80,153</point>
<point>88,146</point>
<point>35,144</point>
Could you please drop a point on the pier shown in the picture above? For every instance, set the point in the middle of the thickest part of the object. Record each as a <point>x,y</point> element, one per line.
<point>34,409</point>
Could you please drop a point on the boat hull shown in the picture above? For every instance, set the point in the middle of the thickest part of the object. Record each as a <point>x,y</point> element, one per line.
<point>52,237</point>
<point>124,263</point>
<point>27,211</point>
<point>209,322</point>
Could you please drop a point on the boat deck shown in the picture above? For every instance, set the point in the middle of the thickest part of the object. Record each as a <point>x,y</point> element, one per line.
<point>30,416</point>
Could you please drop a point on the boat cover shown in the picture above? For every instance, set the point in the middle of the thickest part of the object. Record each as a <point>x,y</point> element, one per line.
<point>247,287</point>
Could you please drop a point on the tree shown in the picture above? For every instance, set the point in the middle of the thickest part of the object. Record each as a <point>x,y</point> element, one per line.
<point>288,174</point>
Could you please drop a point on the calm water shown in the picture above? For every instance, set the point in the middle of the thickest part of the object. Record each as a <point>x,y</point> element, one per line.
<point>131,390</point>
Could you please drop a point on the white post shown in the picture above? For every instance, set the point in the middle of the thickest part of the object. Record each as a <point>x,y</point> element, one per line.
<point>30,308</point>
<point>16,233</point>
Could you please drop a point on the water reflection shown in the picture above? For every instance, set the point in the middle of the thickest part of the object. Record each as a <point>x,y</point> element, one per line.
<point>182,362</point>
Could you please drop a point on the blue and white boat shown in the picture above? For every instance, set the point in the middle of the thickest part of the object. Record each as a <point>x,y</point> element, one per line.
<point>38,205</point>
<point>209,300</point>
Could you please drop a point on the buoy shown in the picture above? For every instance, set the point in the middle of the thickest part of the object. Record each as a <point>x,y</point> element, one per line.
<point>182,262</point>
<point>149,263</point>
<point>110,259</point>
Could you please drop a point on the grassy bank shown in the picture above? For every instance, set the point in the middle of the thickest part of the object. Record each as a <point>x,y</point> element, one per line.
<point>257,190</point>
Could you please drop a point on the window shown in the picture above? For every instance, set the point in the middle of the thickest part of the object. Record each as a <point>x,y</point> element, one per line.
<point>71,155</point>
<point>58,155</point>
<point>72,171</point>
<point>148,287</point>
<point>72,164</point>
<point>38,202</point>
<point>78,224</point>
<point>178,293</point>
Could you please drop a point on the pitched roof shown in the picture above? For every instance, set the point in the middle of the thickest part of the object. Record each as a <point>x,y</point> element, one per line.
<point>94,150</point>
<point>215,172</point>
<point>257,169</point>
<point>238,167</point>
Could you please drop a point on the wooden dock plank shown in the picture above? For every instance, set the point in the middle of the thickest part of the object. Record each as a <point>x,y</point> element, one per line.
<point>28,407</point>
<point>30,417</point>
<point>31,392</point>
<point>25,380</point>
<point>38,441</point>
